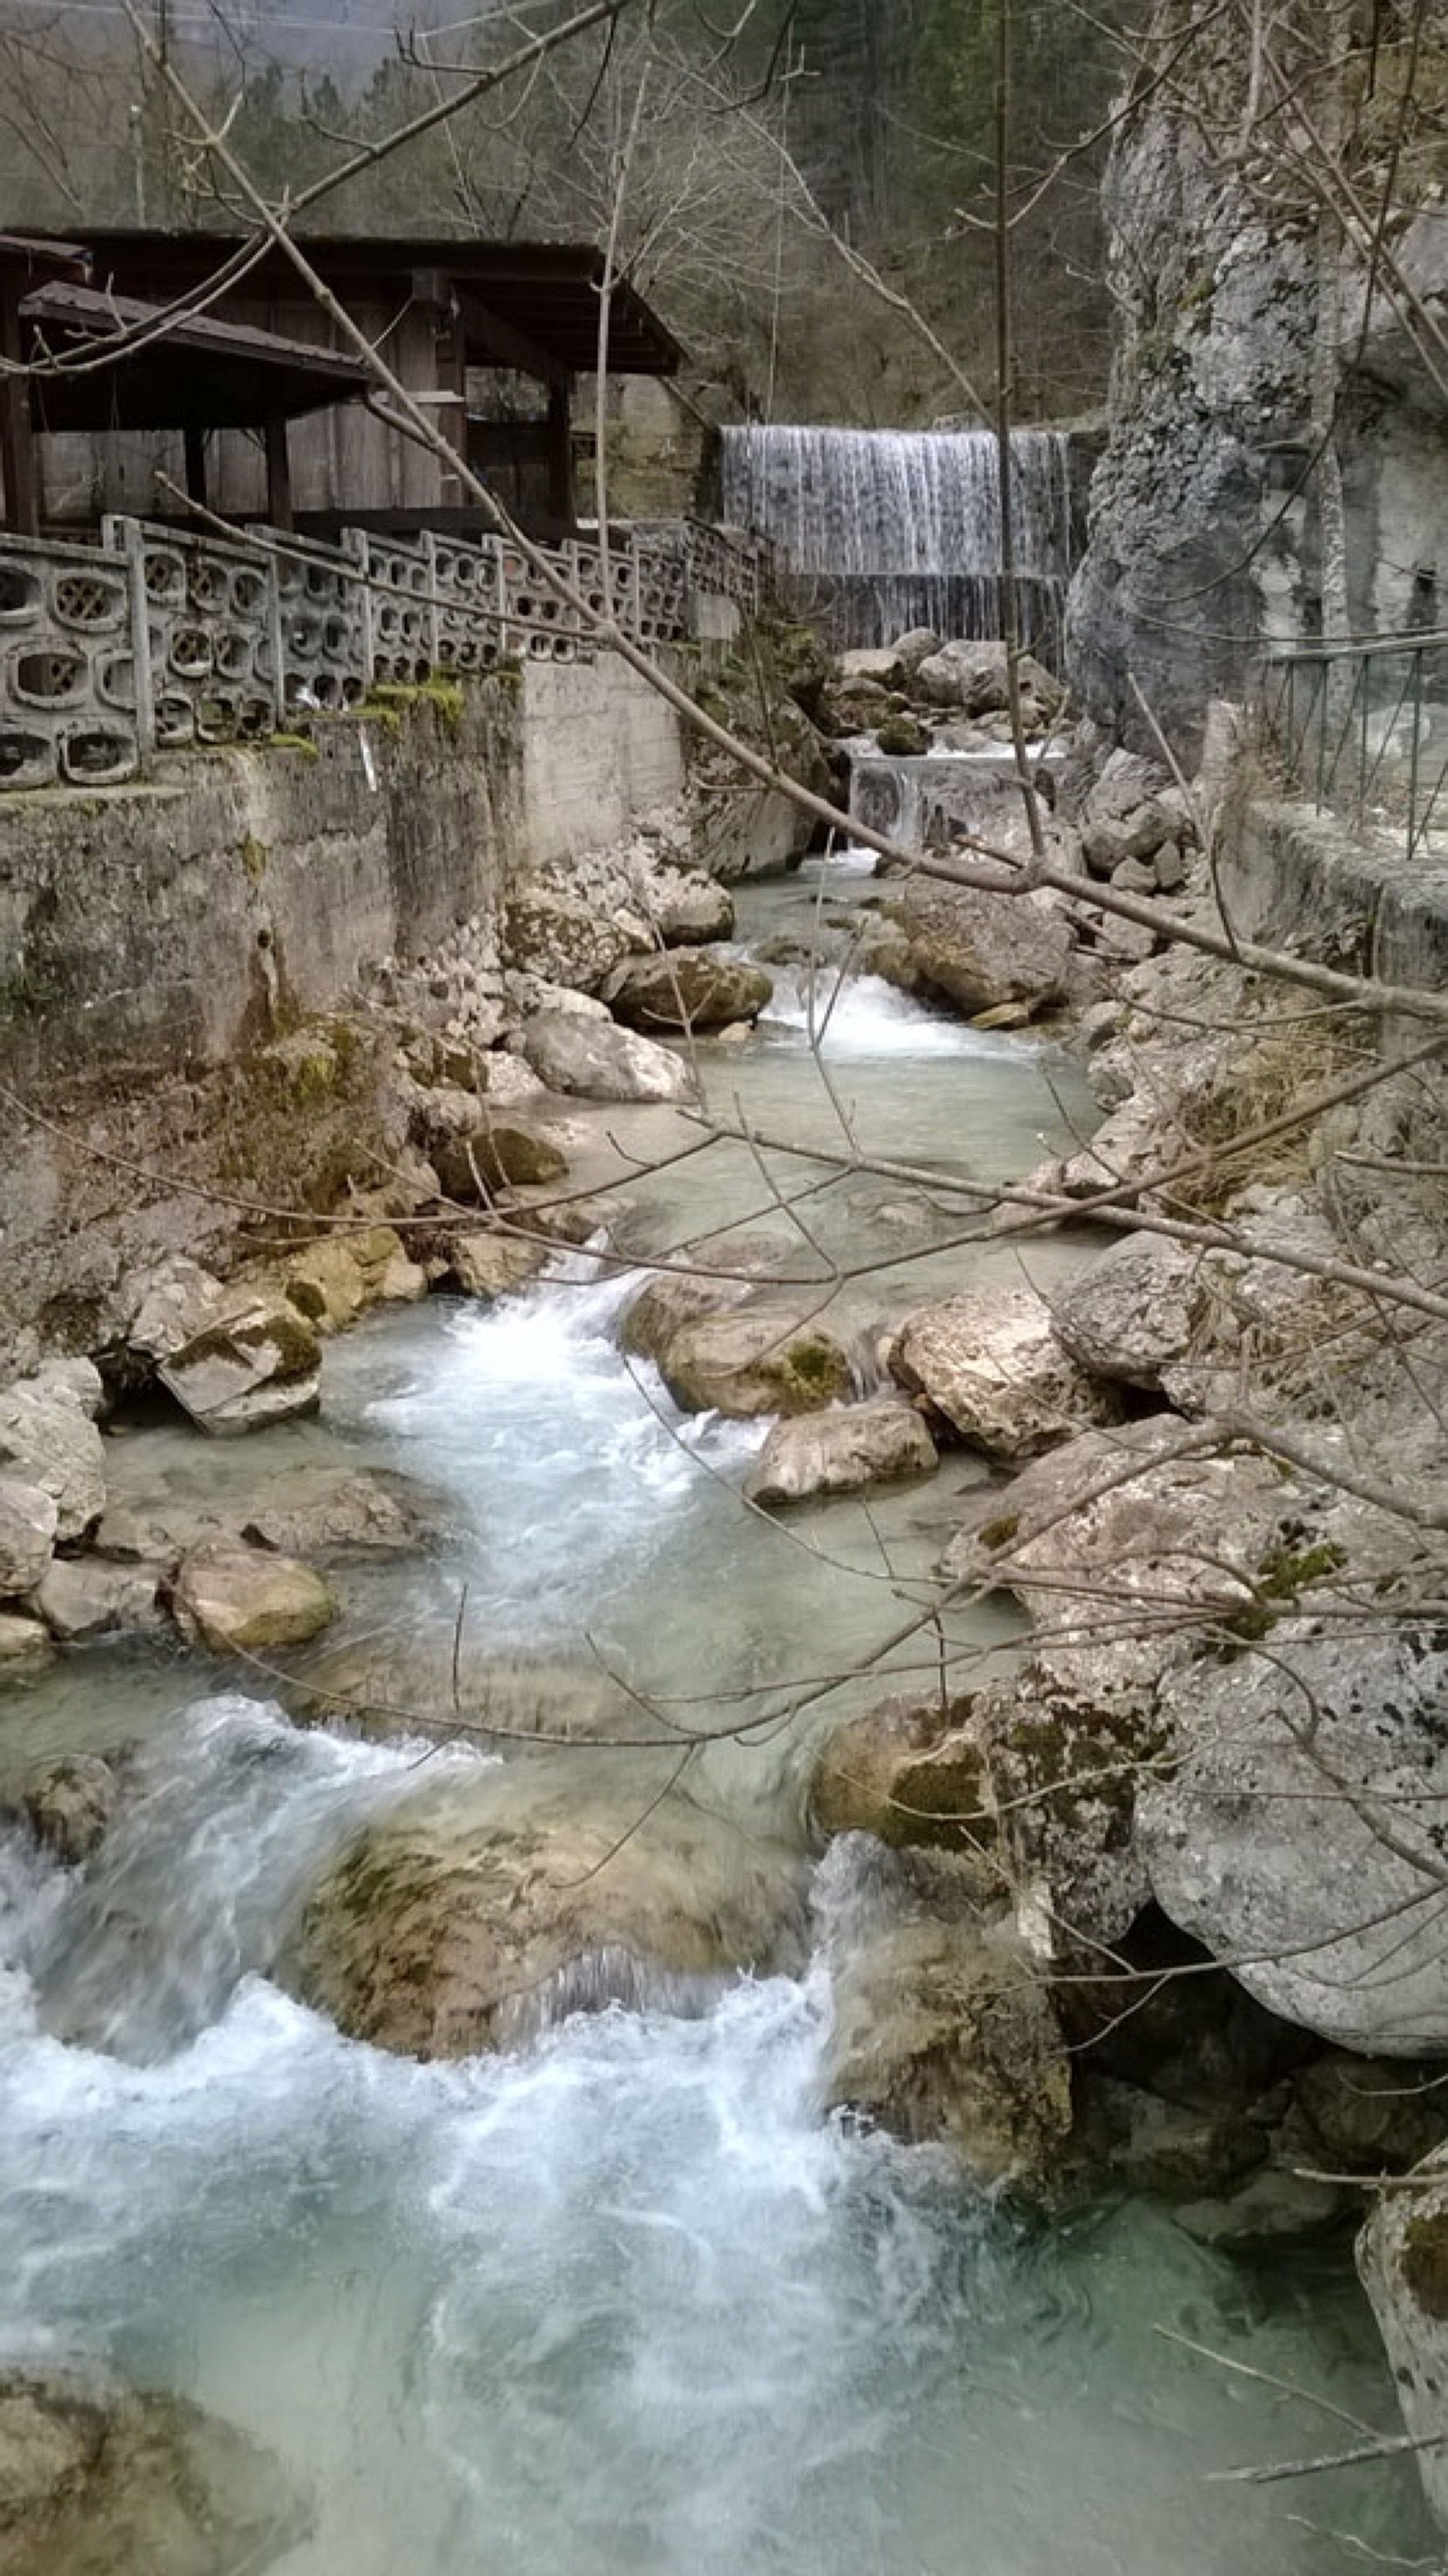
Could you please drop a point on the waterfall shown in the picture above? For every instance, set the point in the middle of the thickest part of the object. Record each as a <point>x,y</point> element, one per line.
<point>881,530</point>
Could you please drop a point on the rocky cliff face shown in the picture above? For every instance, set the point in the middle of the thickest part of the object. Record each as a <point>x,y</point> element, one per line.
<point>1204,528</point>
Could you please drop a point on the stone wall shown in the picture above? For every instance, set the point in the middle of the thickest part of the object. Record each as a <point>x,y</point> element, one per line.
<point>599,749</point>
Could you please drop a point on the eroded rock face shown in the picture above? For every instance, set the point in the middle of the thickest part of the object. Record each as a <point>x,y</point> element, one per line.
<point>841,1452</point>
<point>694,989</point>
<point>597,1061</point>
<point>910,1772</point>
<point>101,2481</point>
<point>982,950</point>
<point>161,1309</point>
<point>1403,2259</point>
<point>766,1360</point>
<point>993,1367</point>
<point>688,909</point>
<point>562,936</point>
<point>256,1364</point>
<point>28,1520</point>
<point>468,1916</point>
<point>333,1281</point>
<point>47,1439</point>
<point>1066,1742</point>
<point>1301,1836</point>
<point>238,1598</point>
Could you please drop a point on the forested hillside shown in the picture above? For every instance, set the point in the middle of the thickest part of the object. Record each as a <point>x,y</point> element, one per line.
<point>787,179</point>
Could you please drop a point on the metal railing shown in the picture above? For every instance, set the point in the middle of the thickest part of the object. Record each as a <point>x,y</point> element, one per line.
<point>1362,729</point>
<point>152,639</point>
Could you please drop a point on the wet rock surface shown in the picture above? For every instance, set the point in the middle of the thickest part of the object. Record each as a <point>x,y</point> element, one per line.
<point>236,1598</point>
<point>844,1451</point>
<point>767,1360</point>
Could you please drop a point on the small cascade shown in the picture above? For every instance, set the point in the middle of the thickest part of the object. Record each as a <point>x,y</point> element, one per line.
<point>882,530</point>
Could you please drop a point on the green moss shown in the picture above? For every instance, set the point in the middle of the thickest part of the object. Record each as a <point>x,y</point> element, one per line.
<point>254,855</point>
<point>1282,1576</point>
<point>302,742</point>
<point>449,700</point>
<point>998,1534</point>
<point>1425,2261</point>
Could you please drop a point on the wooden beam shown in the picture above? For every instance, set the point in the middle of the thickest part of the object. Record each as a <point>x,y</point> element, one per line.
<point>507,346</point>
<point>278,471</point>
<point>562,498</point>
<point>193,438</point>
<point>17,437</point>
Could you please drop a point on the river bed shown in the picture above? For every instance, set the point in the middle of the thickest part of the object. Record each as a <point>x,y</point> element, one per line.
<point>629,2302</point>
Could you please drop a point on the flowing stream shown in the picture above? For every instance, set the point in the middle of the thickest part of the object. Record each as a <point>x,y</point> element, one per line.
<point>627,2302</point>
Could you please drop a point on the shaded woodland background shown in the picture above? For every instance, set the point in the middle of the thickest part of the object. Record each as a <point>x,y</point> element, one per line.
<point>740,144</point>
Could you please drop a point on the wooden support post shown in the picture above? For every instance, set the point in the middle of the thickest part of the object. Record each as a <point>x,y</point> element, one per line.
<point>562,497</point>
<point>278,472</point>
<point>17,439</point>
<point>194,442</point>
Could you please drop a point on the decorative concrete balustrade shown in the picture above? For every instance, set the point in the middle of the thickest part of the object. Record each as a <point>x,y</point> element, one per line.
<point>152,640</point>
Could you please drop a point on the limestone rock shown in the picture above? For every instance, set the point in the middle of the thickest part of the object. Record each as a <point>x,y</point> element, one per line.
<point>1403,2259</point>
<point>688,989</point>
<point>467,1916</point>
<point>82,1598</point>
<point>255,1364</point>
<point>77,1380</point>
<point>160,1309</point>
<point>237,1597</point>
<point>982,949</point>
<point>69,1803</point>
<point>101,2481</point>
<point>688,909</point>
<point>336,1512</point>
<point>598,1061</point>
<point>46,1439</point>
<point>766,1360</point>
<point>841,1452</point>
<point>1135,1310</point>
<point>910,1772</point>
<point>942,2034</point>
<point>994,1369</point>
<point>473,1150</point>
<point>560,934</point>
<point>972,677</point>
<point>1366,2115</point>
<point>673,1299</point>
<point>28,1521</point>
<point>882,663</point>
<point>494,1265</point>
<point>1066,1741</point>
<point>1179,2150</point>
<point>1122,1514</point>
<point>1271,2208</point>
<point>326,1284</point>
<point>510,1083</point>
<point>1297,1836</point>
<point>23,1641</point>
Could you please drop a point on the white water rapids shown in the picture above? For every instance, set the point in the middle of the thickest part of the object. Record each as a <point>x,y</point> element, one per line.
<point>628,2302</point>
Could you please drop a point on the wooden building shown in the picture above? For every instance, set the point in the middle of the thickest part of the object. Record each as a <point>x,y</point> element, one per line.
<point>490,336</point>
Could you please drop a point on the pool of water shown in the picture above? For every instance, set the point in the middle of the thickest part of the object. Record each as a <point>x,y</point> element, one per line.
<point>628,2302</point>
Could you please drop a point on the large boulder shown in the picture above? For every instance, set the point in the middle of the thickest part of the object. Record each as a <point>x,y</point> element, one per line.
<point>562,935</point>
<point>333,1281</point>
<point>688,909</point>
<point>973,678</point>
<point>844,1451</point>
<point>101,2481</point>
<point>1130,1515</point>
<point>910,1772</point>
<point>1403,2259</point>
<point>475,1910</point>
<point>943,2033</point>
<point>239,1599</point>
<point>24,1642</point>
<point>339,1512</point>
<point>672,1300</point>
<point>1066,1741</point>
<point>47,1439</point>
<point>1135,1311</point>
<point>1297,1836</point>
<point>68,1805</point>
<point>255,1364</point>
<point>474,1151</point>
<point>597,1061</point>
<point>995,1370</point>
<point>494,1265</point>
<point>689,989</point>
<point>83,1598</point>
<point>982,950</point>
<point>29,1517</point>
<point>767,1359</point>
<point>158,1311</point>
<point>1126,816</point>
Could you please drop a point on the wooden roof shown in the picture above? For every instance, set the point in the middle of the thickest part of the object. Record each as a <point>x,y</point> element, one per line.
<point>196,371</point>
<point>544,295</point>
